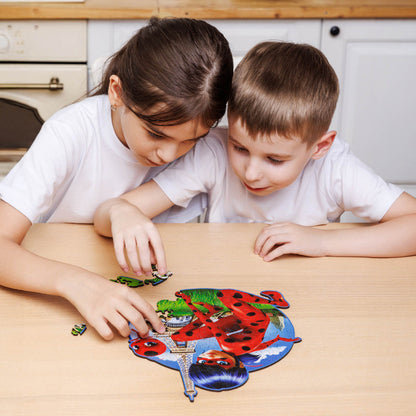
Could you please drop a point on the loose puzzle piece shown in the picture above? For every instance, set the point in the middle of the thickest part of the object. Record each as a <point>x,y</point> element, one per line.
<point>78,329</point>
<point>132,282</point>
<point>215,337</point>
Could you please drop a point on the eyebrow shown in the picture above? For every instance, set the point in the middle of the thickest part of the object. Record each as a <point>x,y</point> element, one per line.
<point>273,155</point>
<point>156,131</point>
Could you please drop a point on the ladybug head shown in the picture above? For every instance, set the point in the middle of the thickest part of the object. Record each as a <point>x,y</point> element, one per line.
<point>147,347</point>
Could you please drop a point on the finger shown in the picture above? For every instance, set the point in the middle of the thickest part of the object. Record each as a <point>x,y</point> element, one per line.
<point>119,251</point>
<point>120,323</point>
<point>263,236</point>
<point>278,252</point>
<point>158,252</point>
<point>148,312</point>
<point>271,242</point>
<point>131,251</point>
<point>142,244</point>
<point>104,329</point>
<point>131,314</point>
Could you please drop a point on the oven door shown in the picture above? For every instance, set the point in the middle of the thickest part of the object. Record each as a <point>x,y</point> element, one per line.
<point>31,93</point>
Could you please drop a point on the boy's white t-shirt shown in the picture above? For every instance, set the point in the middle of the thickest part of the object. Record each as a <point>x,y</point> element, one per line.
<point>326,187</point>
<point>76,163</point>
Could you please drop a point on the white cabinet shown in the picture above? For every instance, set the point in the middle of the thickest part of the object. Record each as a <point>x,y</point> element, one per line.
<point>376,64</point>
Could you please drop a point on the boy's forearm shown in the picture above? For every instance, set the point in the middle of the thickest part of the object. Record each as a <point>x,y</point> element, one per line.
<point>394,238</point>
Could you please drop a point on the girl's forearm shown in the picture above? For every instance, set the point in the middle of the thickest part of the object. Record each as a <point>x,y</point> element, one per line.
<point>23,270</point>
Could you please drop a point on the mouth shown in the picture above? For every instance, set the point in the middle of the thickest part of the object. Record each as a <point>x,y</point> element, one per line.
<point>255,190</point>
<point>152,164</point>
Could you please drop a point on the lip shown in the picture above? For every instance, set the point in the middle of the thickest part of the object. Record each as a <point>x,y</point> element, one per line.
<point>254,189</point>
<point>151,163</point>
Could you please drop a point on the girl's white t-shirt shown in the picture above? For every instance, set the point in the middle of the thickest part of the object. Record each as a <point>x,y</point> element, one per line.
<point>76,163</point>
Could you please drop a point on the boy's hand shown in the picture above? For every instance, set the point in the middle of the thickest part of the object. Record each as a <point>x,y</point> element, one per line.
<point>286,238</point>
<point>137,234</point>
<point>107,305</point>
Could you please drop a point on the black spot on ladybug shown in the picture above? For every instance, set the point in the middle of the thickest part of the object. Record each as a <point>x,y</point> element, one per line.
<point>245,348</point>
<point>230,340</point>
<point>220,294</point>
<point>237,304</point>
<point>261,330</point>
<point>189,333</point>
<point>247,338</point>
<point>254,324</point>
<point>150,353</point>
<point>251,313</point>
<point>237,295</point>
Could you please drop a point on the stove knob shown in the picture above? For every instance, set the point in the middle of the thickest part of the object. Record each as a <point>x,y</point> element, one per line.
<point>4,43</point>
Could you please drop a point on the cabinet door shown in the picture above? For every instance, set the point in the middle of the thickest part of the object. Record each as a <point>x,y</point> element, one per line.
<point>376,64</point>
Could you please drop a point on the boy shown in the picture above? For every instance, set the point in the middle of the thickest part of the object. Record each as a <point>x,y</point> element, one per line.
<point>283,168</point>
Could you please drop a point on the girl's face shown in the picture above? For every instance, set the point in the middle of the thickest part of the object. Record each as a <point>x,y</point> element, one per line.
<point>155,145</point>
<point>218,358</point>
<point>152,145</point>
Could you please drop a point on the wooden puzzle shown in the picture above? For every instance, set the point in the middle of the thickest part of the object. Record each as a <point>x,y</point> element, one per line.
<point>216,337</point>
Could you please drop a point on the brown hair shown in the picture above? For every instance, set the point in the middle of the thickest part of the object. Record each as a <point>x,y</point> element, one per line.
<point>183,67</point>
<point>286,89</point>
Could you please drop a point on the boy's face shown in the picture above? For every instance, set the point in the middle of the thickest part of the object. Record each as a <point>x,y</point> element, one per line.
<point>266,164</point>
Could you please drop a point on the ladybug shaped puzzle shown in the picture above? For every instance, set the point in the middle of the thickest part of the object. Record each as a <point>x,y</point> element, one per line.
<point>216,337</point>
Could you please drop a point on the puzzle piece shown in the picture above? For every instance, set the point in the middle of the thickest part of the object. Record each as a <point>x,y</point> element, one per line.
<point>129,281</point>
<point>78,329</point>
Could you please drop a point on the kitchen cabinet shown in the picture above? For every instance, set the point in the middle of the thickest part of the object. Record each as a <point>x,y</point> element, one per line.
<point>375,61</point>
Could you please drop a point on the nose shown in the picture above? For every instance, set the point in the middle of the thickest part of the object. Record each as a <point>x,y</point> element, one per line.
<point>252,172</point>
<point>167,152</point>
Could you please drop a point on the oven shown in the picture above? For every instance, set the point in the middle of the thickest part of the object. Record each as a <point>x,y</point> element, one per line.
<point>43,67</point>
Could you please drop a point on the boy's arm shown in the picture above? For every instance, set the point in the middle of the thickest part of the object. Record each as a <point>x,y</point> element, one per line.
<point>394,236</point>
<point>127,220</point>
<point>100,301</point>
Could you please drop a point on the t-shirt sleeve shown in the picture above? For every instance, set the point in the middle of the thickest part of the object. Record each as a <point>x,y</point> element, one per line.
<point>196,172</point>
<point>360,190</point>
<point>36,180</point>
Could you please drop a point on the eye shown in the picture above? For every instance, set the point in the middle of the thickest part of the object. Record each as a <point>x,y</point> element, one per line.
<point>274,161</point>
<point>201,361</point>
<point>154,135</point>
<point>239,148</point>
<point>150,343</point>
<point>220,362</point>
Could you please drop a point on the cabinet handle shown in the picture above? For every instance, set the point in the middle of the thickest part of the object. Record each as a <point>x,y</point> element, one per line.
<point>54,85</point>
<point>334,31</point>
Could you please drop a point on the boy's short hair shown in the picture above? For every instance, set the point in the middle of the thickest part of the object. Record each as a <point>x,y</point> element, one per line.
<point>284,88</point>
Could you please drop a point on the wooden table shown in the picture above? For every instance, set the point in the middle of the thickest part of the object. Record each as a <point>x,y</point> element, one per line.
<point>356,318</point>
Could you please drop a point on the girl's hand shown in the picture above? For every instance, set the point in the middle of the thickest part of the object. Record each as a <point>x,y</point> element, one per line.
<point>137,234</point>
<point>286,238</point>
<point>107,305</point>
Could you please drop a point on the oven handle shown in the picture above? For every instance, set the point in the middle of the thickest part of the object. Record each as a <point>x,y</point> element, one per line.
<point>54,85</point>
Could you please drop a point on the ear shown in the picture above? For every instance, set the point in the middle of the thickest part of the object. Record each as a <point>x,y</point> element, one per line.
<point>322,146</point>
<point>115,91</point>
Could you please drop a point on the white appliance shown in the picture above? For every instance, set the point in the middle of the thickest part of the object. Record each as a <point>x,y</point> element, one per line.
<point>43,67</point>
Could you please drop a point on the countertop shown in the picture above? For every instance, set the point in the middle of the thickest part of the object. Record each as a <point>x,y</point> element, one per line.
<point>355,317</point>
<point>214,9</point>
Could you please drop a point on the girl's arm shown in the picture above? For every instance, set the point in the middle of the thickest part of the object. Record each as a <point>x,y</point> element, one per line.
<point>99,300</point>
<point>127,220</point>
<point>394,236</point>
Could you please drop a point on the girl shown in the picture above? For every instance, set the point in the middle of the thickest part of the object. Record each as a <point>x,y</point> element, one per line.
<point>160,93</point>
